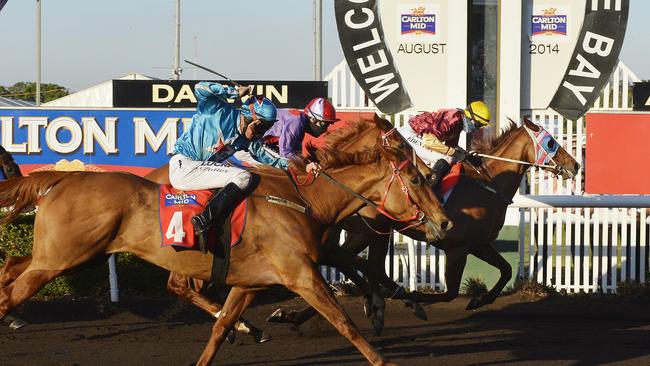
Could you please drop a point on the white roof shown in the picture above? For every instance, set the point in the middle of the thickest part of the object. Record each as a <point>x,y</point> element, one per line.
<point>9,102</point>
<point>98,96</point>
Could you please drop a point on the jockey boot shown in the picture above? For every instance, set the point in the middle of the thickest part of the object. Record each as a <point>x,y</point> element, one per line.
<point>438,171</point>
<point>216,212</point>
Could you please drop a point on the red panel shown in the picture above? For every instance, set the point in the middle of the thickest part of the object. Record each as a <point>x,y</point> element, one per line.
<point>617,153</point>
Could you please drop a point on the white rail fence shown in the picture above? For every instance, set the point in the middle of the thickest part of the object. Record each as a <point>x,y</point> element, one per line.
<point>573,248</point>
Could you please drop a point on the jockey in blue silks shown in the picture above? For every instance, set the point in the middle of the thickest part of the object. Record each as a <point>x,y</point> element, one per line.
<point>218,130</point>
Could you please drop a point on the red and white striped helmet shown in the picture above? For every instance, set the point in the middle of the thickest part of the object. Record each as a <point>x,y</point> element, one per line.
<point>321,109</point>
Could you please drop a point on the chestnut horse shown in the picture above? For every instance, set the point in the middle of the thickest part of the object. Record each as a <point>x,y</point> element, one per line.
<point>477,207</point>
<point>365,132</point>
<point>283,246</point>
<point>361,133</point>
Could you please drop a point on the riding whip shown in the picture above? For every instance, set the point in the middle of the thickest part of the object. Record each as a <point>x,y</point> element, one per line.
<point>214,72</point>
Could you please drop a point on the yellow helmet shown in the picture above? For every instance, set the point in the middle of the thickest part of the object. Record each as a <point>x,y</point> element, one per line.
<point>478,112</point>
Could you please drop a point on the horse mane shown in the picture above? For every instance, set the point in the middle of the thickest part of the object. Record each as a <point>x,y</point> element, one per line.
<point>487,143</point>
<point>22,192</point>
<point>332,154</point>
<point>351,131</point>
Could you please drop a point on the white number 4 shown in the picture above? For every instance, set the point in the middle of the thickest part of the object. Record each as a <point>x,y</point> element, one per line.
<point>175,227</point>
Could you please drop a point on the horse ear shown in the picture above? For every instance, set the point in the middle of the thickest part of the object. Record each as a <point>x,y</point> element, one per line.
<point>530,124</point>
<point>382,124</point>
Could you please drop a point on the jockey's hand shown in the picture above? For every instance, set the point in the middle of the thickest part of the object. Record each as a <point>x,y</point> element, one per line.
<point>313,167</point>
<point>459,154</point>
<point>474,158</point>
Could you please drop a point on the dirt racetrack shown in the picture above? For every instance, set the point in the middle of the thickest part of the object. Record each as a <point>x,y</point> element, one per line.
<point>514,331</point>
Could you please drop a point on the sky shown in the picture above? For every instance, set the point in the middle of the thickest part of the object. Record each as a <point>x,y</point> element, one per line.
<point>88,42</point>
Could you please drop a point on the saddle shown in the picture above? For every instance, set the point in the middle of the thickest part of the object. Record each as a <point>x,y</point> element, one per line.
<point>176,210</point>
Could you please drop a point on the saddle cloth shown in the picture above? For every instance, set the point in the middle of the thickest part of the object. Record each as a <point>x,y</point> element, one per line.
<point>450,181</point>
<point>176,210</point>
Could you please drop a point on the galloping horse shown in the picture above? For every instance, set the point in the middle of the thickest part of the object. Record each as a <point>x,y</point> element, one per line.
<point>362,133</point>
<point>359,133</point>
<point>280,246</point>
<point>477,207</point>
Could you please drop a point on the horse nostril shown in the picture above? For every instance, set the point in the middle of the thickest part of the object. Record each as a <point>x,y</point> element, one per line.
<point>577,167</point>
<point>446,225</point>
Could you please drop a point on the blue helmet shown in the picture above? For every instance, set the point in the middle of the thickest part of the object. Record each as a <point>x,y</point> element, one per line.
<point>259,107</point>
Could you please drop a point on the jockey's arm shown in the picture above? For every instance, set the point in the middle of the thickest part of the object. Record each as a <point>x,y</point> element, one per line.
<point>431,142</point>
<point>266,156</point>
<point>213,95</point>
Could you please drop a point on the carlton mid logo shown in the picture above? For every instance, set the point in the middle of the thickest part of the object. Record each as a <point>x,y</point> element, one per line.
<point>180,198</point>
<point>549,23</point>
<point>418,22</point>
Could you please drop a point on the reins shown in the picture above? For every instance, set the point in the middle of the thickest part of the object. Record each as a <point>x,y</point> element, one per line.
<point>534,165</point>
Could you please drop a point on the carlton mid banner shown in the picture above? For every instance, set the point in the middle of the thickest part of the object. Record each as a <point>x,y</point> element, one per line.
<point>135,141</point>
<point>128,140</point>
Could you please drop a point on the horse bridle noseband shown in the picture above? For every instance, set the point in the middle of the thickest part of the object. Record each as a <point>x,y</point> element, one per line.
<point>417,219</point>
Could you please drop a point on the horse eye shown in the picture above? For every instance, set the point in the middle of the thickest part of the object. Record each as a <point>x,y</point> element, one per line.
<point>550,144</point>
<point>416,180</point>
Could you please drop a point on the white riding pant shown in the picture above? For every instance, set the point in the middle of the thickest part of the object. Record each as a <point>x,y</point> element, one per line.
<point>188,174</point>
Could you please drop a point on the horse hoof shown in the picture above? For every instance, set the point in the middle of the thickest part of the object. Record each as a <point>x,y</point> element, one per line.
<point>231,337</point>
<point>418,311</point>
<point>474,303</point>
<point>17,324</point>
<point>277,317</point>
<point>263,337</point>
<point>14,323</point>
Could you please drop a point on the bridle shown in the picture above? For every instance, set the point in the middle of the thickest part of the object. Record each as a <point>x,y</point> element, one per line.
<point>544,154</point>
<point>415,220</point>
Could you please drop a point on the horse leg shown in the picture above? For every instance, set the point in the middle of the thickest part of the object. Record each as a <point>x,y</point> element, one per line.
<point>298,317</point>
<point>13,267</point>
<point>179,285</point>
<point>24,287</point>
<point>490,255</point>
<point>454,267</point>
<point>310,286</point>
<point>237,301</point>
<point>374,268</point>
<point>339,257</point>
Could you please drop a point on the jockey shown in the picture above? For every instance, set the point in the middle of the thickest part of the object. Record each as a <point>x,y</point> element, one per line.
<point>218,130</point>
<point>434,136</point>
<point>285,137</point>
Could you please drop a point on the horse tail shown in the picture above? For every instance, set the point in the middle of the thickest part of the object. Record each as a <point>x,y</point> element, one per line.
<point>20,193</point>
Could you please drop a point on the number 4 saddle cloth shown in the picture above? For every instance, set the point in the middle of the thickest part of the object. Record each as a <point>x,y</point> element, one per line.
<point>176,210</point>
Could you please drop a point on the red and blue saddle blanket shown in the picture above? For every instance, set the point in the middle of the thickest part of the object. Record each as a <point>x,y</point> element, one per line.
<point>450,181</point>
<point>176,210</point>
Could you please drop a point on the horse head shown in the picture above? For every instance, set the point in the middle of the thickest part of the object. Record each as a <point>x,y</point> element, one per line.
<point>408,195</point>
<point>380,132</point>
<point>547,153</point>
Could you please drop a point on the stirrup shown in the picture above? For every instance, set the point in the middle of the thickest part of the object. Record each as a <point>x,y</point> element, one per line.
<point>201,229</point>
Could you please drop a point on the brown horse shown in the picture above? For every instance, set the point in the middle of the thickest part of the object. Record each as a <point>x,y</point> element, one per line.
<point>363,132</point>
<point>360,133</point>
<point>477,208</point>
<point>282,245</point>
